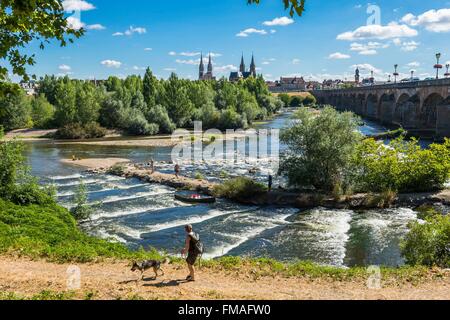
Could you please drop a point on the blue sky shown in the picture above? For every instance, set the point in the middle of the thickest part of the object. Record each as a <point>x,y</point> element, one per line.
<point>332,37</point>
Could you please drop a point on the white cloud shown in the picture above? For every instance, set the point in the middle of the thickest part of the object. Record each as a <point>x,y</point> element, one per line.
<point>432,20</point>
<point>406,45</point>
<point>414,64</point>
<point>172,53</point>
<point>190,54</point>
<point>296,61</point>
<point>282,21</point>
<point>338,56</point>
<point>131,30</point>
<point>148,49</point>
<point>226,68</point>
<point>189,62</point>
<point>77,5</point>
<point>367,67</point>
<point>111,63</point>
<point>95,27</point>
<point>170,69</point>
<point>64,68</point>
<point>247,32</point>
<point>136,68</point>
<point>392,30</point>
<point>369,48</point>
<point>75,23</point>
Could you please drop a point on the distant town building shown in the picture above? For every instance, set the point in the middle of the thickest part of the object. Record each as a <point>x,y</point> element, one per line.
<point>209,72</point>
<point>30,88</point>
<point>243,73</point>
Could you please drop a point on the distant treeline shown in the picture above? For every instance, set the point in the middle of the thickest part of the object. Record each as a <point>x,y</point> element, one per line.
<point>137,106</point>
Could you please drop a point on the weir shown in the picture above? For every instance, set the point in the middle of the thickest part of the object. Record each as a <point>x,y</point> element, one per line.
<point>284,198</point>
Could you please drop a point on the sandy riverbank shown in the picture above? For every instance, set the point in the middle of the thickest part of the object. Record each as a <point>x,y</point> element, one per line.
<point>95,164</point>
<point>114,280</point>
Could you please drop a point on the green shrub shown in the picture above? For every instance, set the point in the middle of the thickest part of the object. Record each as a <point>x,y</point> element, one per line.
<point>81,211</point>
<point>285,98</point>
<point>117,169</point>
<point>403,166</point>
<point>137,125</point>
<point>16,184</point>
<point>199,176</point>
<point>296,101</point>
<point>77,131</point>
<point>428,243</point>
<point>240,189</point>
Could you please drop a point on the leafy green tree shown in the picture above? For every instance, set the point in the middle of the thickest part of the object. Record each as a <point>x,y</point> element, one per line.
<point>82,210</point>
<point>15,111</point>
<point>152,89</point>
<point>65,102</point>
<point>294,6</point>
<point>159,116</point>
<point>87,103</point>
<point>42,112</point>
<point>177,101</point>
<point>320,148</point>
<point>296,101</point>
<point>26,21</point>
<point>285,98</point>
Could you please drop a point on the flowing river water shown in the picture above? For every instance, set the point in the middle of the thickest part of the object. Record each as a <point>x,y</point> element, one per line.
<point>141,214</point>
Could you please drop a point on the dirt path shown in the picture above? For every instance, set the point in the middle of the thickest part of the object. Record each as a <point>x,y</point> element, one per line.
<point>115,280</point>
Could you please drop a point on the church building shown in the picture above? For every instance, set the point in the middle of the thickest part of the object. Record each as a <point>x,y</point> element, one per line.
<point>243,73</point>
<point>209,73</point>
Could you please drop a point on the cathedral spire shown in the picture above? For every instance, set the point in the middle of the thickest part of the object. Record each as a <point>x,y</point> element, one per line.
<point>201,68</point>
<point>253,66</point>
<point>242,66</point>
<point>210,66</point>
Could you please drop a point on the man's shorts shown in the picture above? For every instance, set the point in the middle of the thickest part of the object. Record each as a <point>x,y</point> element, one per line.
<point>192,258</point>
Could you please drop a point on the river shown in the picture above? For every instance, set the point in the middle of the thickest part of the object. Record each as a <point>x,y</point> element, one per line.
<point>139,214</point>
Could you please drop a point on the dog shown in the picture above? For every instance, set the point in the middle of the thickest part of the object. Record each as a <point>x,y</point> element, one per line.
<point>147,265</point>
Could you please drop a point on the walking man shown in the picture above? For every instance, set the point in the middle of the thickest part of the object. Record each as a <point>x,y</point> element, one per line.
<point>177,170</point>
<point>193,248</point>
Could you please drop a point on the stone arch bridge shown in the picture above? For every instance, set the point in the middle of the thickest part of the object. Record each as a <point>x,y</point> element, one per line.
<point>421,107</point>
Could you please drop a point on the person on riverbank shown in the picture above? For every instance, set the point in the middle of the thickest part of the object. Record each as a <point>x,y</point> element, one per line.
<point>177,170</point>
<point>193,249</point>
<point>152,166</point>
<point>270,183</point>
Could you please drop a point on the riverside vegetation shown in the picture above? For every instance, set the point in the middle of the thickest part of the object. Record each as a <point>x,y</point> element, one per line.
<point>137,106</point>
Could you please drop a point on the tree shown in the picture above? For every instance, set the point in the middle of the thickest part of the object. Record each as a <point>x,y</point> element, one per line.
<point>42,112</point>
<point>176,100</point>
<point>295,6</point>
<point>65,102</point>
<point>320,148</point>
<point>87,103</point>
<point>26,21</point>
<point>15,111</point>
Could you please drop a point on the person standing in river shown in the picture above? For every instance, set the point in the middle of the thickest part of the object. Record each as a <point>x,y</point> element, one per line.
<point>191,248</point>
<point>270,184</point>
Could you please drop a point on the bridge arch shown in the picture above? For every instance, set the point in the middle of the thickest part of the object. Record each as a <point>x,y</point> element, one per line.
<point>386,109</point>
<point>372,106</point>
<point>407,110</point>
<point>428,114</point>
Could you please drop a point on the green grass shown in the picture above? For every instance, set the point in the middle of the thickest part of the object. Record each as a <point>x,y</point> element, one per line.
<point>52,233</point>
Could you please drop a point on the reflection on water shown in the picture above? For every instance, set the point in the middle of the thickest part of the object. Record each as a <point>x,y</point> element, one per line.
<point>140,214</point>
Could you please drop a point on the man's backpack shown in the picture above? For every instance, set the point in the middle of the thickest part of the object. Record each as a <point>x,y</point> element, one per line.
<point>198,247</point>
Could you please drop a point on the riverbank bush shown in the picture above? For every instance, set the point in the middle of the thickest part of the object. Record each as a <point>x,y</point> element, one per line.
<point>240,189</point>
<point>77,131</point>
<point>16,184</point>
<point>401,166</point>
<point>428,243</point>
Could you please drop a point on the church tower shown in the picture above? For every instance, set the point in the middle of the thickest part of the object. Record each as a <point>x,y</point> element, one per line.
<point>201,72</point>
<point>357,77</point>
<point>242,66</point>
<point>210,66</point>
<point>253,67</point>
